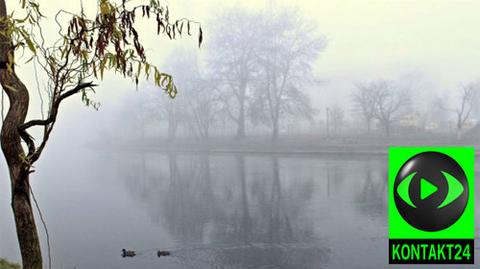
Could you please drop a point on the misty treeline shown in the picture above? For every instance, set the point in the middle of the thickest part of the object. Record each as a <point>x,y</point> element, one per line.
<point>392,103</point>
<point>255,77</point>
<point>253,74</point>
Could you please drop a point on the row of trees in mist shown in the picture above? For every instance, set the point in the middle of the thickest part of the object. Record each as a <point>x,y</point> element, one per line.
<point>380,100</point>
<point>385,102</point>
<point>254,76</point>
<point>257,69</point>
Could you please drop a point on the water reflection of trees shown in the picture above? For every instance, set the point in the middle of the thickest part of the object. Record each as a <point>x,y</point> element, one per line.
<point>239,209</point>
<point>371,198</point>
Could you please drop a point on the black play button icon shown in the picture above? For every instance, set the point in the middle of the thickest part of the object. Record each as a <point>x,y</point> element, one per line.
<point>431,191</point>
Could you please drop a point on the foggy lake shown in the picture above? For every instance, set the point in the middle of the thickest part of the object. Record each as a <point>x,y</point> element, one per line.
<point>233,134</point>
<point>212,210</point>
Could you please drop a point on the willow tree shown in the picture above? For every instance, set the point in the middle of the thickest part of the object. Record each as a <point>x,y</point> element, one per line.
<point>86,48</point>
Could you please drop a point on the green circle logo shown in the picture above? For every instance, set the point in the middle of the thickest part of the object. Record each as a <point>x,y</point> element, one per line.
<point>431,191</point>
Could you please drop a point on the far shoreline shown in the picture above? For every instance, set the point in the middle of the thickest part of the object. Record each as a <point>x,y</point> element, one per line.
<point>293,145</point>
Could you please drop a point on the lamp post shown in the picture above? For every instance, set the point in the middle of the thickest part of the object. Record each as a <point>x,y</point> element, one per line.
<point>328,121</point>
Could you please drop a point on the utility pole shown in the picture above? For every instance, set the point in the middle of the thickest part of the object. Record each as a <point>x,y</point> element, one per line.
<point>328,121</point>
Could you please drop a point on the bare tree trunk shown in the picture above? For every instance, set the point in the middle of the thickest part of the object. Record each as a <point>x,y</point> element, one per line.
<point>459,133</point>
<point>172,126</point>
<point>241,112</point>
<point>275,130</point>
<point>14,154</point>
<point>171,132</point>
<point>459,126</point>
<point>19,170</point>
<point>206,132</point>
<point>25,225</point>
<point>387,128</point>
<point>241,121</point>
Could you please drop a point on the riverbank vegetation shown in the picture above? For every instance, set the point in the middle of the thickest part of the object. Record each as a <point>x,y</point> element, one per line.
<point>4,264</point>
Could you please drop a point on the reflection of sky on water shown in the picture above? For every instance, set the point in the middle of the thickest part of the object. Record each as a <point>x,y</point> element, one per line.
<point>217,211</point>
<point>301,204</point>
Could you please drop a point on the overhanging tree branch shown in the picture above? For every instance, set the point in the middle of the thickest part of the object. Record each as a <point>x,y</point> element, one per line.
<point>50,119</point>
<point>33,152</point>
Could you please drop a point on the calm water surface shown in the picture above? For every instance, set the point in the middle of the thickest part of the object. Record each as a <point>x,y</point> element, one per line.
<point>211,211</point>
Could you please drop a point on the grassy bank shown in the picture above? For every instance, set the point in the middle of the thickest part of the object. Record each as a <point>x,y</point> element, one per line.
<point>4,264</point>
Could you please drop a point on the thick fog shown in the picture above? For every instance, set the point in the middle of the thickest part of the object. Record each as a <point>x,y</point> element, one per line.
<point>273,110</point>
<point>429,47</point>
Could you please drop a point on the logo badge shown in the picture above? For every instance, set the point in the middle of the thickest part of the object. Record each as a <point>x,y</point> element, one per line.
<point>431,216</point>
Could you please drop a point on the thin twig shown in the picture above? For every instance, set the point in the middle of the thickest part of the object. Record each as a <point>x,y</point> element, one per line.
<point>38,89</point>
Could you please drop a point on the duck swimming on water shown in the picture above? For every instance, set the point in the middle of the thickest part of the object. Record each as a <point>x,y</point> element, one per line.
<point>163,253</point>
<point>128,253</point>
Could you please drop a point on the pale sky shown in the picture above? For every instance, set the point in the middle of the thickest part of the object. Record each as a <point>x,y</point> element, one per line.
<point>437,40</point>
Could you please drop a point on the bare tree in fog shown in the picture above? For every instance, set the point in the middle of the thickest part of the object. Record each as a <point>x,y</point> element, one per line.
<point>174,115</point>
<point>156,109</point>
<point>364,100</point>
<point>204,110</point>
<point>285,57</point>
<point>468,99</point>
<point>199,105</point>
<point>150,109</point>
<point>183,64</point>
<point>337,118</point>
<point>232,58</point>
<point>390,100</point>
